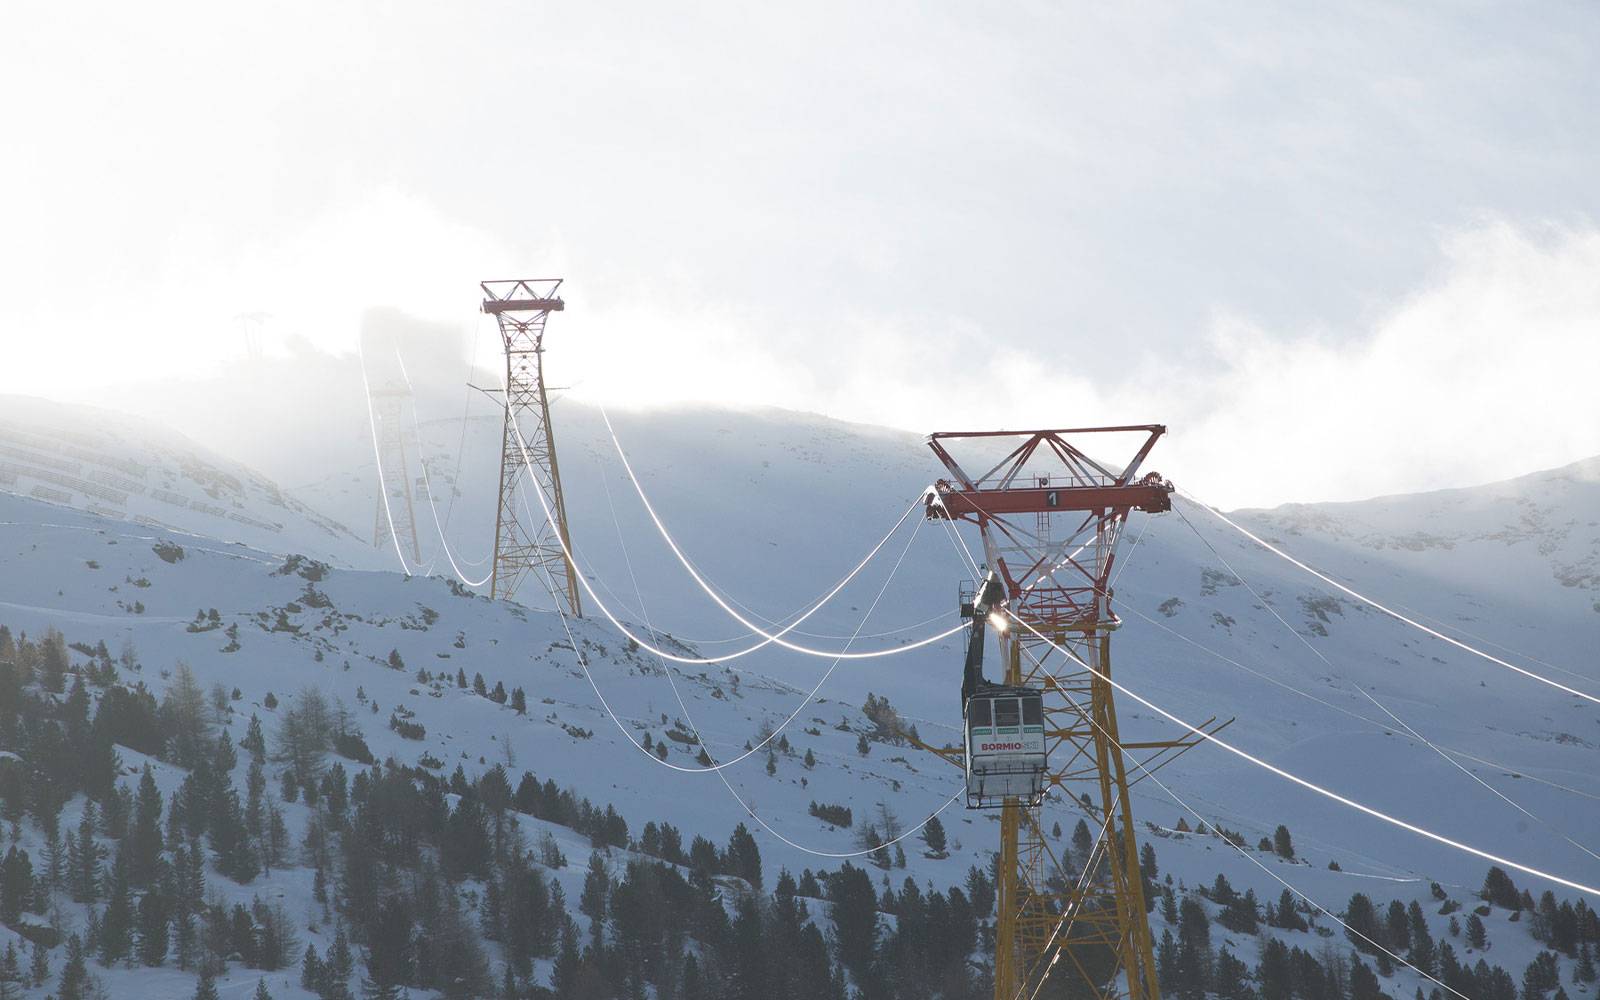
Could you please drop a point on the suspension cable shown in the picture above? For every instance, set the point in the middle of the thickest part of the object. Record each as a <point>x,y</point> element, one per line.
<point>698,579</point>
<point>1302,782</point>
<point>1149,773</point>
<point>1384,608</point>
<point>689,717</point>
<point>383,491</point>
<point>1125,606</point>
<point>1354,687</point>
<point>427,487</point>
<point>717,769</point>
<point>1283,882</point>
<point>773,734</point>
<point>770,638</point>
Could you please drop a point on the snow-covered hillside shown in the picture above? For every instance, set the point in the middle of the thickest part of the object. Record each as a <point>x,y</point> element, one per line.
<point>121,467</point>
<point>774,507</point>
<point>750,495</point>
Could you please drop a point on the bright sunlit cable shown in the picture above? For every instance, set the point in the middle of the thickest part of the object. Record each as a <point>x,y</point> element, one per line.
<point>1149,773</point>
<point>769,639</point>
<point>1283,882</point>
<point>383,491</point>
<point>698,579</point>
<point>1302,782</point>
<point>683,706</point>
<point>1380,706</point>
<point>810,695</point>
<point>1521,773</point>
<point>1325,578</point>
<point>1464,770</point>
<point>717,769</point>
<point>427,487</point>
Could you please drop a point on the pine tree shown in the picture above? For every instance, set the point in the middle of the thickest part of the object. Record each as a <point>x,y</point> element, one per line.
<point>255,741</point>
<point>810,759</point>
<point>855,914</point>
<point>479,688</point>
<point>1230,979</point>
<point>1500,890</point>
<point>1082,842</point>
<point>1363,983</point>
<point>226,758</point>
<point>311,969</point>
<point>564,976</point>
<point>261,991</point>
<point>254,813</point>
<point>1422,950</point>
<point>153,936</point>
<point>116,926</point>
<point>144,840</point>
<point>390,960</point>
<point>235,856</point>
<point>1167,962</point>
<point>55,853</point>
<point>1361,921</point>
<point>1585,972</point>
<point>1477,934</point>
<point>74,983</point>
<point>83,857</point>
<point>1282,843</point>
<point>206,988</point>
<point>744,857</point>
<point>596,891</point>
<point>1194,949</point>
<point>337,968</point>
<point>933,837</point>
<point>1533,982</point>
<point>1397,927</point>
<point>39,967</point>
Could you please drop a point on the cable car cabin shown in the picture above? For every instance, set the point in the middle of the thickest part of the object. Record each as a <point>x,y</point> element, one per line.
<point>1006,754</point>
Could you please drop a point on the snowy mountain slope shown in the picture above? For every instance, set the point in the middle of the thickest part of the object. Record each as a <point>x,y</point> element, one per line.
<point>776,506</point>
<point>1524,551</point>
<point>101,579</point>
<point>749,496</point>
<point>287,640</point>
<point>110,464</point>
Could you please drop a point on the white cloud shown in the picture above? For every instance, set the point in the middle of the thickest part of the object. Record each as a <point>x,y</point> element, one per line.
<point>1486,372</point>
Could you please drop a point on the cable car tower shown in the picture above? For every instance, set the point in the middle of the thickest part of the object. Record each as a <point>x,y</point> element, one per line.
<point>521,308</point>
<point>1050,517</point>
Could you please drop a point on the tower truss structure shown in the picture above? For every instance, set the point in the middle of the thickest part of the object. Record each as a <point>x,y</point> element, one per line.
<point>395,511</point>
<point>1050,517</point>
<point>525,541</point>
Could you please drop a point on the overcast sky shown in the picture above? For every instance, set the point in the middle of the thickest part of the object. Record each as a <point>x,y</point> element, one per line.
<point>1341,249</point>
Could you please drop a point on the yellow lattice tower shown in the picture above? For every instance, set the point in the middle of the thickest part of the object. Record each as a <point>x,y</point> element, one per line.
<point>1050,517</point>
